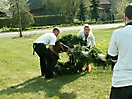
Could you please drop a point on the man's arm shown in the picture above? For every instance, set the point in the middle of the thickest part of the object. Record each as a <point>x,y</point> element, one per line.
<point>52,49</point>
<point>113,50</point>
<point>92,40</point>
<point>79,35</point>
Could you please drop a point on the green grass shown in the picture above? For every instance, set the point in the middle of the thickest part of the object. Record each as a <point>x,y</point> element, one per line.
<point>20,73</point>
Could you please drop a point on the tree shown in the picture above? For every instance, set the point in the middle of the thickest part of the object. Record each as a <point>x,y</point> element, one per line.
<point>121,5</point>
<point>94,11</point>
<point>22,18</point>
<point>71,7</point>
<point>4,5</point>
<point>68,7</point>
<point>51,7</point>
<point>82,12</point>
<point>26,19</point>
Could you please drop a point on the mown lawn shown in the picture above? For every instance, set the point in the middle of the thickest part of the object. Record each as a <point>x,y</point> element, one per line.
<point>20,74</point>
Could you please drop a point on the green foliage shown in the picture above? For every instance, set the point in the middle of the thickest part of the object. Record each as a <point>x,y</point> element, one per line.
<point>93,57</point>
<point>104,17</point>
<point>5,22</point>
<point>94,12</point>
<point>52,20</point>
<point>121,5</point>
<point>26,19</point>
<point>69,7</point>
<point>71,40</point>
<point>82,11</point>
<point>51,7</point>
<point>76,58</point>
<point>21,15</point>
<point>75,63</point>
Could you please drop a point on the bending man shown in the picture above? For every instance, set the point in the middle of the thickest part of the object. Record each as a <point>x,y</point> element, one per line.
<point>46,59</point>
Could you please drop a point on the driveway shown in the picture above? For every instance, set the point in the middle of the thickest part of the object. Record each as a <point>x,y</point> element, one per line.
<point>103,26</point>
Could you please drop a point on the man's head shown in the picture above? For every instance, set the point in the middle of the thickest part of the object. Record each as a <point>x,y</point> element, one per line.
<point>56,31</point>
<point>86,29</point>
<point>128,13</point>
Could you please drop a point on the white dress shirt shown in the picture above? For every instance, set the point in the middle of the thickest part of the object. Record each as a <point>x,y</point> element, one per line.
<point>90,39</point>
<point>47,39</point>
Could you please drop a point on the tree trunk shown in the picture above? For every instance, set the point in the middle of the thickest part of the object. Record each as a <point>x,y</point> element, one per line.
<point>19,17</point>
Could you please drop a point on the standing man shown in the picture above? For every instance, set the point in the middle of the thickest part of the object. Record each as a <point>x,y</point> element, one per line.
<point>87,35</point>
<point>46,58</point>
<point>121,46</point>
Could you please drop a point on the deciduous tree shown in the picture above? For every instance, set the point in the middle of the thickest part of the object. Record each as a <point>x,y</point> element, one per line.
<point>121,5</point>
<point>22,18</point>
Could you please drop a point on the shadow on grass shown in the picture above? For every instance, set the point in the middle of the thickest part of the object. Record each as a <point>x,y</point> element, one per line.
<point>51,88</point>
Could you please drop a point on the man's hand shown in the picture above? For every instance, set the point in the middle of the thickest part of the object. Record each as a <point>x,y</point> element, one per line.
<point>114,60</point>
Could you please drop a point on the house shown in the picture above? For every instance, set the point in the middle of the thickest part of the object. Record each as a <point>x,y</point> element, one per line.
<point>105,4</point>
<point>36,7</point>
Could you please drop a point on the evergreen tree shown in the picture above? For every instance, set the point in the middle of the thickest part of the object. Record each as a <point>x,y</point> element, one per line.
<point>82,11</point>
<point>94,9</point>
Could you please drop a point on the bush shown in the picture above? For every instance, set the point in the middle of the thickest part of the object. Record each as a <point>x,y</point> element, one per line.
<point>104,17</point>
<point>5,22</point>
<point>51,20</point>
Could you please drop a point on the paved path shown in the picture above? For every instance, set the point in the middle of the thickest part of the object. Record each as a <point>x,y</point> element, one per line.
<point>103,26</point>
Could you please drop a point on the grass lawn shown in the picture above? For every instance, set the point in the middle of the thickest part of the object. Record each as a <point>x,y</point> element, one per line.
<point>20,73</point>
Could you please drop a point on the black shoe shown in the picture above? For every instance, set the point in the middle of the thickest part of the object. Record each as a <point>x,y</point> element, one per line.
<point>48,77</point>
<point>42,74</point>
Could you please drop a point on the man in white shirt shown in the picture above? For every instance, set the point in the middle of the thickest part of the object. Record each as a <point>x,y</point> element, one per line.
<point>121,46</point>
<point>87,35</point>
<point>46,59</point>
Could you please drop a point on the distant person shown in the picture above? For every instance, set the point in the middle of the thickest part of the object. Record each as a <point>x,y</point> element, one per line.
<point>87,35</point>
<point>46,59</point>
<point>121,46</point>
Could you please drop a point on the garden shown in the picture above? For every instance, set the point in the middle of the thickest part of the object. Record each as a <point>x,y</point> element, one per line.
<point>20,72</point>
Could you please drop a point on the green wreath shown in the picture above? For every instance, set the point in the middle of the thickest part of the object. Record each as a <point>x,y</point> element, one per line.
<point>77,59</point>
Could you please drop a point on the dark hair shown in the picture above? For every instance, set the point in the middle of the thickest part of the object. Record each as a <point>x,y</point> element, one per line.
<point>56,28</point>
<point>86,27</point>
<point>128,11</point>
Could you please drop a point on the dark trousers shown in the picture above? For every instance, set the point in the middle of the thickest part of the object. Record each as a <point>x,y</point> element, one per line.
<point>121,93</point>
<point>46,60</point>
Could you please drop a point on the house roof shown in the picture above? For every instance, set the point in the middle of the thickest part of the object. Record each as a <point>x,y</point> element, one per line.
<point>35,4</point>
<point>105,2</point>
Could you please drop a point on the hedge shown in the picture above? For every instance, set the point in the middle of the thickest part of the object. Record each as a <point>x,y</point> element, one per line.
<point>5,22</point>
<point>40,20</point>
<point>52,20</point>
